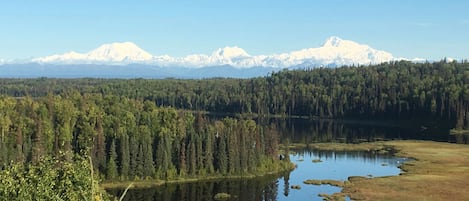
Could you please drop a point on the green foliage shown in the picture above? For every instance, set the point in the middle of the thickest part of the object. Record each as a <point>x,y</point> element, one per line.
<point>398,89</point>
<point>51,179</point>
<point>132,129</point>
<point>111,172</point>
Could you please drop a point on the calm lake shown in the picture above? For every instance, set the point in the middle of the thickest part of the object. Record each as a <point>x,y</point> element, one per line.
<point>334,165</point>
<point>352,131</point>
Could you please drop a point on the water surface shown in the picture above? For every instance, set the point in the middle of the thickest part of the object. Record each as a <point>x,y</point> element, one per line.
<point>334,165</point>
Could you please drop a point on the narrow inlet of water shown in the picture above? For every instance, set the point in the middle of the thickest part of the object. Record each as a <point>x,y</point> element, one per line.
<point>333,166</point>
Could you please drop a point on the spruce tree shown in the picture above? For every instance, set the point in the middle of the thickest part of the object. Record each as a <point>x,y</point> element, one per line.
<point>111,172</point>
<point>124,156</point>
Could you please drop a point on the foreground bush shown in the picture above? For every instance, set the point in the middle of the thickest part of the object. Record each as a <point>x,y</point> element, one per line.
<point>53,178</point>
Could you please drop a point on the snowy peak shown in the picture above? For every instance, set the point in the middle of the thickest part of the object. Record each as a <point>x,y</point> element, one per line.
<point>230,52</point>
<point>334,52</point>
<point>115,53</point>
<point>126,51</point>
<point>333,41</point>
<point>67,58</point>
<point>338,43</point>
<point>346,52</point>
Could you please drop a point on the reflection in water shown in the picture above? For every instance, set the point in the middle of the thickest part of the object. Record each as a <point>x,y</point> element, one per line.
<point>334,165</point>
<point>339,165</point>
<point>262,189</point>
<point>461,138</point>
<point>286,184</point>
<point>309,130</point>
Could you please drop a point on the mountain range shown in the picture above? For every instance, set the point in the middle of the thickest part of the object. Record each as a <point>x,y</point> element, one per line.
<point>127,60</point>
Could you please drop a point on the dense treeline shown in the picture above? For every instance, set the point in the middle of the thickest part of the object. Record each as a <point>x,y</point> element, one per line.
<point>132,138</point>
<point>395,90</point>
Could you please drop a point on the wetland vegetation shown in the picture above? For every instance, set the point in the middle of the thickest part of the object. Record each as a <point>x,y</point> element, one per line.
<point>440,171</point>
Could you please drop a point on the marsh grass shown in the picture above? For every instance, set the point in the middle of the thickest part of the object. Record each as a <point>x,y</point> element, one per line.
<point>222,196</point>
<point>317,160</point>
<point>333,197</point>
<point>459,131</point>
<point>380,147</point>
<point>440,171</point>
<point>325,182</point>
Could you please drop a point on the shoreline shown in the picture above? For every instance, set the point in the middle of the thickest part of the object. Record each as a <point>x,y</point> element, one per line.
<point>150,183</point>
<point>439,171</point>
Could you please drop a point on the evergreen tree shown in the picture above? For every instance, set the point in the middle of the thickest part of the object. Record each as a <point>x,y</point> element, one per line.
<point>124,156</point>
<point>111,172</point>
<point>209,145</point>
<point>182,160</point>
<point>134,153</point>
<point>148,168</point>
<point>192,157</point>
<point>99,147</point>
<point>222,161</point>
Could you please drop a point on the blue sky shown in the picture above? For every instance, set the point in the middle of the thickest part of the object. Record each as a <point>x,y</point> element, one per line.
<point>406,28</point>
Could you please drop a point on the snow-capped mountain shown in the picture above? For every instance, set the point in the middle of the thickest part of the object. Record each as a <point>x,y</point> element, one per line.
<point>334,52</point>
<point>114,53</point>
<point>233,56</point>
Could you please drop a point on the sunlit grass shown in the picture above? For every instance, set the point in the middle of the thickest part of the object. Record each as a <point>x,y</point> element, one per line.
<point>440,171</point>
<point>324,182</point>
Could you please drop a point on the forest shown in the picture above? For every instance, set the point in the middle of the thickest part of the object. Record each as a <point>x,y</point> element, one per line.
<point>392,90</point>
<point>156,129</point>
<point>132,139</point>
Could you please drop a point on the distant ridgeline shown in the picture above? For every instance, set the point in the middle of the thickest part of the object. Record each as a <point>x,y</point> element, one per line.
<point>132,138</point>
<point>396,90</point>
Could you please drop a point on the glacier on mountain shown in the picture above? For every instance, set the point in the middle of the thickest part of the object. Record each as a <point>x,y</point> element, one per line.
<point>334,52</point>
<point>114,53</point>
